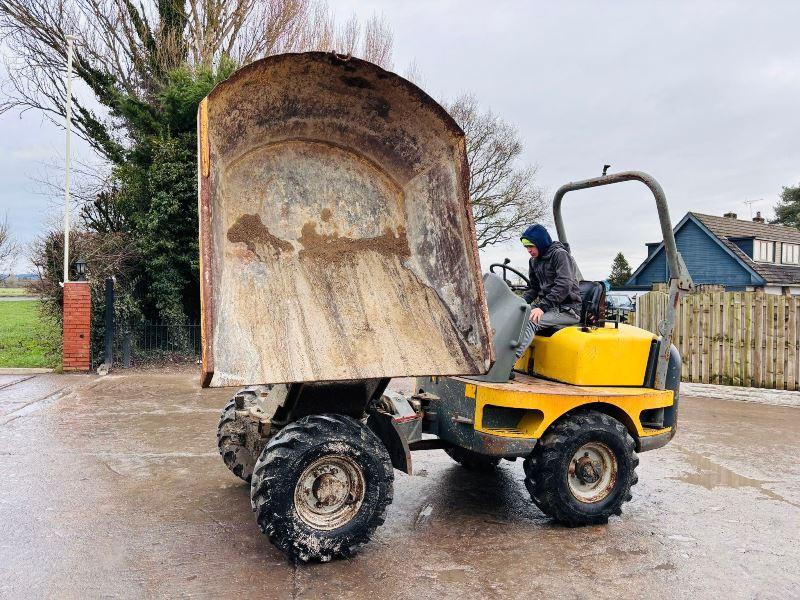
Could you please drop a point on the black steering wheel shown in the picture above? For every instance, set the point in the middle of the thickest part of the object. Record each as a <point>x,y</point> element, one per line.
<point>506,267</point>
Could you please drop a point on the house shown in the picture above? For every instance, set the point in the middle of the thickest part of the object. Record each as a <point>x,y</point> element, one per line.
<point>738,254</point>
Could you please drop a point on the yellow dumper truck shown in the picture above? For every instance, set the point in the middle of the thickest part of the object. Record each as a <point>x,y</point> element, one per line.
<point>338,251</point>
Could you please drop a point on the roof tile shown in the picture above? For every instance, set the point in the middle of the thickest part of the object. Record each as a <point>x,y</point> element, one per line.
<point>738,228</point>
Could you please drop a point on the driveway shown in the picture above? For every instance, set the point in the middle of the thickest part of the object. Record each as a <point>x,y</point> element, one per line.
<point>113,487</point>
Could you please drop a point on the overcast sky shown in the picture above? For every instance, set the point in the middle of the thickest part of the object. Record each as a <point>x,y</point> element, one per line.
<point>705,96</point>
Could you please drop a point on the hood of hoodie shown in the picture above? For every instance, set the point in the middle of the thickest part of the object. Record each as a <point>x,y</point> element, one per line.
<point>552,248</point>
<point>538,235</point>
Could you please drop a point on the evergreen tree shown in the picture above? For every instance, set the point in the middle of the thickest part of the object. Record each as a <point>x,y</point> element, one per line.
<point>620,271</point>
<point>787,211</point>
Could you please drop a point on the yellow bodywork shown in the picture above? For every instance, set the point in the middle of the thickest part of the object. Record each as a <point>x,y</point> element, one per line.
<point>603,356</point>
<point>541,402</point>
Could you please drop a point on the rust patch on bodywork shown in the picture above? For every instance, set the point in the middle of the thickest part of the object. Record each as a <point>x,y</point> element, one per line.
<point>249,230</point>
<point>206,246</point>
<point>334,248</point>
<point>202,139</point>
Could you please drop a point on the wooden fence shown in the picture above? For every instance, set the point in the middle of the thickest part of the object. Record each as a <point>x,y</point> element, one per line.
<point>732,338</point>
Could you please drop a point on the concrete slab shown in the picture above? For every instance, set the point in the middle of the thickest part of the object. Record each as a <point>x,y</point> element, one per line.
<point>742,394</point>
<point>23,371</point>
<point>113,487</point>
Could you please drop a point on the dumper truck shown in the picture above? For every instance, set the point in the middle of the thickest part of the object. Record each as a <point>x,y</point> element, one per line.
<point>338,251</point>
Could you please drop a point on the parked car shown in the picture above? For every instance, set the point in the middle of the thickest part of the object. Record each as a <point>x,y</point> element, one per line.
<point>620,304</point>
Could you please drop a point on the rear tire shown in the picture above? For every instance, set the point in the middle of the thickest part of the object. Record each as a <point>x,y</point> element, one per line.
<point>472,460</point>
<point>230,438</point>
<point>582,470</point>
<point>321,487</point>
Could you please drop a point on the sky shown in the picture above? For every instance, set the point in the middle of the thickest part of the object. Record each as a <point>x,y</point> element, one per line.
<point>704,96</point>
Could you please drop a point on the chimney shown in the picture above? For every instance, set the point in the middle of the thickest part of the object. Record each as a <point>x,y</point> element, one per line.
<point>758,218</point>
<point>730,215</point>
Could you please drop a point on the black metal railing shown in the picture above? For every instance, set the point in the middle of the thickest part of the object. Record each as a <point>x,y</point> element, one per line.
<point>167,337</point>
<point>143,341</point>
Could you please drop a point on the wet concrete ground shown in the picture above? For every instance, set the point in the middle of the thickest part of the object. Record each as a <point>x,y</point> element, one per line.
<point>112,487</point>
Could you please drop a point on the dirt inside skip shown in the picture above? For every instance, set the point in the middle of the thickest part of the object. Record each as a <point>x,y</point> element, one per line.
<point>249,230</point>
<point>336,249</point>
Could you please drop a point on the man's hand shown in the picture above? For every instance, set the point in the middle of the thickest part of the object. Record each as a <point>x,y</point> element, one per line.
<point>536,314</point>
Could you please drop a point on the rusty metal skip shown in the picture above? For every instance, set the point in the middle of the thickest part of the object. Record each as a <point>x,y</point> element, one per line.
<point>336,236</point>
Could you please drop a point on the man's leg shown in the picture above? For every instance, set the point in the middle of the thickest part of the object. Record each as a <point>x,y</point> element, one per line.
<point>557,318</point>
<point>552,318</point>
<point>525,340</point>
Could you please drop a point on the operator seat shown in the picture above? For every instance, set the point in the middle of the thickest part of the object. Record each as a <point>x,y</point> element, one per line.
<point>593,303</point>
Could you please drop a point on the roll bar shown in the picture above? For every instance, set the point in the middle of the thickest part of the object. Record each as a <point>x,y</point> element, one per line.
<point>679,279</point>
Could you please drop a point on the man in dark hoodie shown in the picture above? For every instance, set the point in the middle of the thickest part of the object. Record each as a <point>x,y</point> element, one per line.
<point>554,293</point>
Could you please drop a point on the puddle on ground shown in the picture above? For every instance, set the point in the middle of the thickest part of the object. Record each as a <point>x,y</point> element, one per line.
<point>711,475</point>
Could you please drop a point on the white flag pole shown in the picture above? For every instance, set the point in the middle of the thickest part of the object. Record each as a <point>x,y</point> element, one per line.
<point>67,201</point>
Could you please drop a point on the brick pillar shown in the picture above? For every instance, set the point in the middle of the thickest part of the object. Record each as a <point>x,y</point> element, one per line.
<point>77,314</point>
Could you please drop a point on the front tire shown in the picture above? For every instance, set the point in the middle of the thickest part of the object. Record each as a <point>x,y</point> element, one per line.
<point>321,487</point>
<point>582,470</point>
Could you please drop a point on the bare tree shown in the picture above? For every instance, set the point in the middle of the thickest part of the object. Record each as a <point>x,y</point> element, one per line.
<point>504,194</point>
<point>126,61</point>
<point>128,48</point>
<point>414,74</point>
<point>8,247</point>
<point>378,42</point>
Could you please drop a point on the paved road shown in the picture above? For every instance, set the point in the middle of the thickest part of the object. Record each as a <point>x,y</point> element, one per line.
<point>113,487</point>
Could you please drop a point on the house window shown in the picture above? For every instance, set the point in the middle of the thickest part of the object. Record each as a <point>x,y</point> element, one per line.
<point>791,254</point>
<point>764,251</point>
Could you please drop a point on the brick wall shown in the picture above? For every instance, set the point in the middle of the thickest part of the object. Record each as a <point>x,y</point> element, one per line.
<point>77,315</point>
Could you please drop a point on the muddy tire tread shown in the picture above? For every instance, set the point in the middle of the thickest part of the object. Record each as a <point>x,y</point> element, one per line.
<point>542,468</point>
<point>277,460</point>
<point>234,453</point>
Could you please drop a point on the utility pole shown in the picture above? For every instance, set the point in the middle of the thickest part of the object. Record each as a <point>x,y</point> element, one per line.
<point>67,200</point>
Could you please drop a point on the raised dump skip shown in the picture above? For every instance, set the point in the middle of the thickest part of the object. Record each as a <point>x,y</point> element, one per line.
<point>335,232</point>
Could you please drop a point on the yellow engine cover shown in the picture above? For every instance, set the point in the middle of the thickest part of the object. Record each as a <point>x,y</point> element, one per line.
<point>602,356</point>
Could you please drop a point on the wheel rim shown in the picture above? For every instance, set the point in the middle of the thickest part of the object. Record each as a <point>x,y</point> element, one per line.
<point>329,492</point>
<point>592,472</point>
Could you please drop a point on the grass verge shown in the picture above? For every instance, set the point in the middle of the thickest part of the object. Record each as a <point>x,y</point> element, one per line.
<point>28,338</point>
<point>6,292</point>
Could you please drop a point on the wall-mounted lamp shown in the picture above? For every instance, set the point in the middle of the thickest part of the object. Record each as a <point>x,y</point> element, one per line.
<point>80,269</point>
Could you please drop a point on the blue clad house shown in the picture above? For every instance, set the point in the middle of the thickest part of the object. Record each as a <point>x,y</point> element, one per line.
<point>740,255</point>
